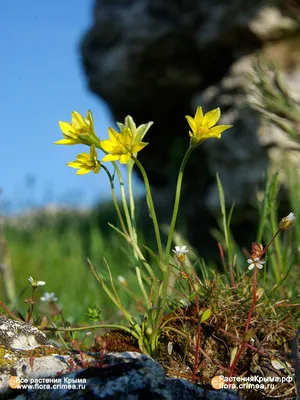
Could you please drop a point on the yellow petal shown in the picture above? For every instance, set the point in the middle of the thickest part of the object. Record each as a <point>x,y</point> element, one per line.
<point>126,137</point>
<point>199,115</point>
<point>66,127</point>
<point>111,157</point>
<point>217,130</point>
<point>125,158</point>
<point>77,120</point>
<point>113,135</point>
<point>192,123</point>
<point>89,117</point>
<point>83,171</point>
<point>66,141</point>
<point>74,164</point>
<point>211,118</point>
<point>138,146</point>
<point>83,157</point>
<point>107,145</point>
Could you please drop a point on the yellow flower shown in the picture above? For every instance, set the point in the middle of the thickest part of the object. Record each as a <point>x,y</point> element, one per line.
<point>86,162</point>
<point>79,131</point>
<point>203,126</point>
<point>137,132</point>
<point>121,146</point>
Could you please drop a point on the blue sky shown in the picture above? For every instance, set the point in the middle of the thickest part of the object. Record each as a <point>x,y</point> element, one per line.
<point>42,82</point>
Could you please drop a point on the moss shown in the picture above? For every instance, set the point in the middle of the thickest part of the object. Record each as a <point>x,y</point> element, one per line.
<point>7,357</point>
<point>42,351</point>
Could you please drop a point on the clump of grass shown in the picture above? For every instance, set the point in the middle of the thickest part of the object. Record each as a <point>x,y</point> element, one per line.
<point>55,249</point>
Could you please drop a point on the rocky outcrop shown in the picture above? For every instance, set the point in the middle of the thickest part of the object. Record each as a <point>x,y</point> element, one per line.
<point>25,352</point>
<point>157,60</point>
<point>32,368</point>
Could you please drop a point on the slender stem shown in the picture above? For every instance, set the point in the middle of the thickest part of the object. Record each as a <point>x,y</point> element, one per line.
<point>31,305</point>
<point>269,244</point>
<point>254,298</point>
<point>83,328</point>
<point>142,287</point>
<point>243,345</point>
<point>171,233</point>
<point>113,192</point>
<point>130,192</point>
<point>263,353</point>
<point>176,202</point>
<point>142,259</point>
<point>131,201</point>
<point>151,208</point>
<point>2,305</point>
<point>124,201</point>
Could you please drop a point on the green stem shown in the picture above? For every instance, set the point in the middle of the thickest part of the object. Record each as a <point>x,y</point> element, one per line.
<point>31,305</point>
<point>130,192</point>
<point>131,201</point>
<point>176,203</point>
<point>151,208</point>
<point>141,258</point>
<point>148,269</point>
<point>113,192</point>
<point>171,234</point>
<point>142,287</point>
<point>83,328</point>
<point>124,201</point>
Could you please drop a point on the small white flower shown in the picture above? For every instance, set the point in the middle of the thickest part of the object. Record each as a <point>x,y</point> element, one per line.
<point>180,250</point>
<point>180,253</point>
<point>35,283</point>
<point>49,297</point>
<point>255,263</point>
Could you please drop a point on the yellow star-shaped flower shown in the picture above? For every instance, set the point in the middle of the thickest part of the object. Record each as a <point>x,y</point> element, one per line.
<point>203,126</point>
<point>86,162</point>
<point>121,146</point>
<point>79,131</point>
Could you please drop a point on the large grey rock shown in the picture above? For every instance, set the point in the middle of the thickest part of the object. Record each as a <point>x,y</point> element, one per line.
<point>125,376</point>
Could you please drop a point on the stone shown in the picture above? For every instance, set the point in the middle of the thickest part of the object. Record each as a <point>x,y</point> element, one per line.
<point>25,352</point>
<point>124,376</point>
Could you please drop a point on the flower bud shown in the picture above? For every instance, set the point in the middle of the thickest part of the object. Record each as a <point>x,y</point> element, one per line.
<point>287,221</point>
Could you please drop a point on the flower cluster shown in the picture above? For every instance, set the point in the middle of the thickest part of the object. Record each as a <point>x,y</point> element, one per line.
<point>124,145</point>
